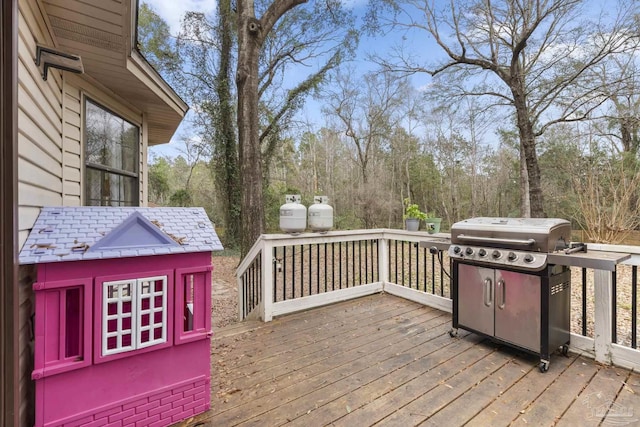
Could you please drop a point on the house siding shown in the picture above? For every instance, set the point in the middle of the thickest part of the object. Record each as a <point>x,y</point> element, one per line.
<point>72,145</point>
<point>39,123</point>
<point>50,159</point>
<point>39,173</point>
<point>50,116</point>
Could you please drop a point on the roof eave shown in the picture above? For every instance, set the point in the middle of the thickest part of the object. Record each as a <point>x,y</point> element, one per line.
<point>104,35</point>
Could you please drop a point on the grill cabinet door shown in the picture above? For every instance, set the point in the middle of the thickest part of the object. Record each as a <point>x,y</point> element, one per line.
<point>517,307</point>
<point>476,298</point>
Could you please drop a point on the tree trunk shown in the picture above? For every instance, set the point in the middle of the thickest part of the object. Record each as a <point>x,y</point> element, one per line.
<point>227,160</point>
<point>525,202</point>
<point>533,170</point>
<point>252,204</point>
<point>251,35</point>
<point>528,145</point>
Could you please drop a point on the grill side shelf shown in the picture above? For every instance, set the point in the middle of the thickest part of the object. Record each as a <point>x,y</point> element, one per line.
<point>592,259</point>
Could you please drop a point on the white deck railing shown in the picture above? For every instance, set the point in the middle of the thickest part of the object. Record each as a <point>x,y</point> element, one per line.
<point>284,273</point>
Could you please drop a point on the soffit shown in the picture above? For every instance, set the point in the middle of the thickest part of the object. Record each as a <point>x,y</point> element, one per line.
<point>102,33</point>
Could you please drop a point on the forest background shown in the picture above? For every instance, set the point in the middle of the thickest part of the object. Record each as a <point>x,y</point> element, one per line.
<point>369,104</point>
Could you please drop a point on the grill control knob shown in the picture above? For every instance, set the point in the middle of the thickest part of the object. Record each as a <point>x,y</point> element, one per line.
<point>456,249</point>
<point>482,253</point>
<point>496,254</point>
<point>468,251</point>
<point>528,258</point>
<point>512,256</point>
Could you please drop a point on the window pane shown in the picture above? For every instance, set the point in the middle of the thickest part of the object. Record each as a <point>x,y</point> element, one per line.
<point>110,189</point>
<point>146,287</point>
<point>125,290</point>
<point>112,343</point>
<point>74,327</point>
<point>112,158</point>
<point>188,299</point>
<point>128,195</point>
<point>93,184</point>
<point>111,140</point>
<point>112,308</point>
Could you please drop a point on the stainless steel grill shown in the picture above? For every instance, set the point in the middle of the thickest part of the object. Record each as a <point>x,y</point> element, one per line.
<point>504,287</point>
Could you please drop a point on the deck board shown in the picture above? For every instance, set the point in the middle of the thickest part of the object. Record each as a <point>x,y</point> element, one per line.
<point>479,395</point>
<point>548,408</point>
<point>304,381</point>
<point>598,395</point>
<point>626,409</point>
<point>447,390</point>
<point>382,360</point>
<point>508,403</point>
<point>293,366</point>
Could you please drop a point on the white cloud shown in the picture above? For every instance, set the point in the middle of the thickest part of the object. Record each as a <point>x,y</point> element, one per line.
<point>172,11</point>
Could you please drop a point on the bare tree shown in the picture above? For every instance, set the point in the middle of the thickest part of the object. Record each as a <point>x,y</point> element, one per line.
<point>367,112</point>
<point>260,60</point>
<point>606,193</point>
<point>525,54</point>
<point>621,116</point>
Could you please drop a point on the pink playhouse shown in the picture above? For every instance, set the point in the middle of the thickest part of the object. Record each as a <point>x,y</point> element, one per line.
<point>122,314</point>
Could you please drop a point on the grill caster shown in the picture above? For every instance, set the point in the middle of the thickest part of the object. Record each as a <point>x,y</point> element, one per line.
<point>453,332</point>
<point>544,366</point>
<point>564,350</point>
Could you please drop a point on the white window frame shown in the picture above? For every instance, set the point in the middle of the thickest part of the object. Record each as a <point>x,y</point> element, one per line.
<point>151,311</point>
<point>136,295</point>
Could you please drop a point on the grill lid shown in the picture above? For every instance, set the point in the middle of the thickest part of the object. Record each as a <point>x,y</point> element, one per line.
<point>529,234</point>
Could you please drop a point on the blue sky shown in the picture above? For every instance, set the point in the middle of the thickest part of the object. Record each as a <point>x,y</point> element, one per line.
<point>173,10</point>
<point>422,46</point>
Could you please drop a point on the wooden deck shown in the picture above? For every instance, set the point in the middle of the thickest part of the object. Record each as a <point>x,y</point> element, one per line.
<point>382,360</point>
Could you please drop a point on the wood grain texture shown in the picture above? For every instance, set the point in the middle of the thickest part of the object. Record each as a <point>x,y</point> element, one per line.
<point>382,360</point>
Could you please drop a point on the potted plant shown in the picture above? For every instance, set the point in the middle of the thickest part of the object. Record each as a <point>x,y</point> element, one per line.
<point>432,223</point>
<point>412,215</point>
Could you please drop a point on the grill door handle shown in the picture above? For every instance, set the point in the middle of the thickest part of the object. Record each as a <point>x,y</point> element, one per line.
<point>496,240</point>
<point>501,289</point>
<point>487,292</point>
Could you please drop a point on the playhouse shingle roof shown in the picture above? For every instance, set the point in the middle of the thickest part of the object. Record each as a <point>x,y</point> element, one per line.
<point>70,233</point>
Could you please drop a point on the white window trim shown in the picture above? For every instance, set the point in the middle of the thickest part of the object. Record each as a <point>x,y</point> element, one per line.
<point>136,296</point>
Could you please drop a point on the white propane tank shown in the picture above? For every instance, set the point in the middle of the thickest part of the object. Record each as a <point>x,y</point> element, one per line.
<point>320,214</point>
<point>293,215</point>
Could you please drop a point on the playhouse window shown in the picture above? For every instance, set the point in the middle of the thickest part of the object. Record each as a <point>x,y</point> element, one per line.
<point>62,326</point>
<point>193,304</point>
<point>134,314</point>
<point>73,323</point>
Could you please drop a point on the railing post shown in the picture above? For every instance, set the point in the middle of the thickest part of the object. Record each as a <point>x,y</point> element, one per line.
<point>240,297</point>
<point>602,316</point>
<point>383,261</point>
<point>267,281</point>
